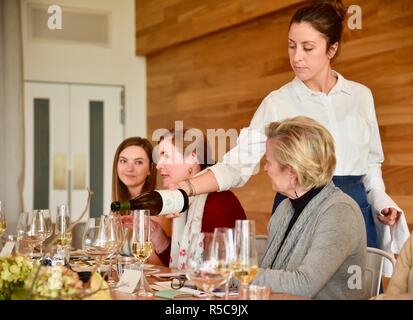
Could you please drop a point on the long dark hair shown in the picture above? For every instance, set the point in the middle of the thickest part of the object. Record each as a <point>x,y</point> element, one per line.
<point>326,16</point>
<point>119,190</point>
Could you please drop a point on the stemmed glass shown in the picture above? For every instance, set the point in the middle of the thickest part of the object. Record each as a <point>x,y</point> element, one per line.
<point>45,214</point>
<point>37,230</point>
<point>245,266</point>
<point>141,247</point>
<point>203,265</point>
<point>21,230</point>
<point>116,234</point>
<point>97,240</point>
<point>63,232</point>
<point>224,252</point>
<point>3,222</point>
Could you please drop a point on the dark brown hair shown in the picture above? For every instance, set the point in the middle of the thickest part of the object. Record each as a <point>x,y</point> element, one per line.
<point>326,16</point>
<point>119,190</point>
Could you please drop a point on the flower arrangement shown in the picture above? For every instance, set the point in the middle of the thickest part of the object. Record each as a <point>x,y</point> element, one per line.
<point>13,273</point>
<point>21,278</point>
<point>55,282</point>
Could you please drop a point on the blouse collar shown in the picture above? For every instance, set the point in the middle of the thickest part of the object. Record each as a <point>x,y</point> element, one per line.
<point>303,90</point>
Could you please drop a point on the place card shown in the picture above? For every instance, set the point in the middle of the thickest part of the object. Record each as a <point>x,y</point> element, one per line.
<point>128,281</point>
<point>7,249</point>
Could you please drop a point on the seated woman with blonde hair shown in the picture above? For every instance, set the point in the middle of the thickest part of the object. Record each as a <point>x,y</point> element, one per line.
<point>318,232</point>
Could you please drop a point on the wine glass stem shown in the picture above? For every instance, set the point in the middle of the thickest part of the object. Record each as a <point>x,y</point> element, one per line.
<point>142,282</point>
<point>110,280</point>
<point>244,289</point>
<point>98,261</point>
<point>227,288</point>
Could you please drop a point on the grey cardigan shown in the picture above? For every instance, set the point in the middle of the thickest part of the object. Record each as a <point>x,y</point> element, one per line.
<point>328,237</point>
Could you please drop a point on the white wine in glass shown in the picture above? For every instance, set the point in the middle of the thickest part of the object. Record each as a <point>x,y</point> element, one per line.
<point>141,247</point>
<point>245,266</point>
<point>63,233</point>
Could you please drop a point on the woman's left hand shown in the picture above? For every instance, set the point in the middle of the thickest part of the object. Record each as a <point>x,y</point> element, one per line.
<point>389,216</point>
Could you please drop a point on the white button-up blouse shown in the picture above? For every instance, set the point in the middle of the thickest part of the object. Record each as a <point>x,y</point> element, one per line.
<point>347,111</point>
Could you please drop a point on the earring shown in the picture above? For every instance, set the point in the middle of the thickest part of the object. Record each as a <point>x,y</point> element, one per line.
<point>190,170</point>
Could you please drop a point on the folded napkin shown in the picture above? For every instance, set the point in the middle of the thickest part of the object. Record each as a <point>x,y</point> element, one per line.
<point>172,294</point>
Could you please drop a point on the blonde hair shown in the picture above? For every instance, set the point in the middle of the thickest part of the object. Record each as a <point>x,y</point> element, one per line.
<point>307,147</point>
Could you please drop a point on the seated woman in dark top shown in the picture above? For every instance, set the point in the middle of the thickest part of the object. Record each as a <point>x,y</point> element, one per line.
<point>317,235</point>
<point>180,160</point>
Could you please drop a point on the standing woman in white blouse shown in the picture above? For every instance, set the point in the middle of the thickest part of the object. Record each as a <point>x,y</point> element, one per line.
<point>344,107</point>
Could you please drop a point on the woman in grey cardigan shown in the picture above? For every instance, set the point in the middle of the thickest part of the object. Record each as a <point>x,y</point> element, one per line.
<point>316,238</point>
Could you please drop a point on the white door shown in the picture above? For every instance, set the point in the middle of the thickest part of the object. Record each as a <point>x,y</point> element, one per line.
<point>72,132</point>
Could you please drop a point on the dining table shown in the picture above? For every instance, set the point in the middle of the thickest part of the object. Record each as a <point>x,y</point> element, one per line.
<point>152,278</point>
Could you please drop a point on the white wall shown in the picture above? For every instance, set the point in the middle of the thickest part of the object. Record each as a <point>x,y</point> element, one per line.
<point>58,61</point>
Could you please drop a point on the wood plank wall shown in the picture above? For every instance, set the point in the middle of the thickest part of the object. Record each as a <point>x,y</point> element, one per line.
<point>209,63</point>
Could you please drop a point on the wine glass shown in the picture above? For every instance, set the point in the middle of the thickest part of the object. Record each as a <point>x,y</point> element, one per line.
<point>141,246</point>
<point>224,252</point>
<point>36,231</point>
<point>3,222</point>
<point>21,229</point>
<point>45,215</point>
<point>63,233</point>
<point>114,224</point>
<point>203,265</point>
<point>97,241</point>
<point>245,266</point>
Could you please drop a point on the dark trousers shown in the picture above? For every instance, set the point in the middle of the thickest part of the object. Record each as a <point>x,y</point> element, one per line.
<point>352,186</point>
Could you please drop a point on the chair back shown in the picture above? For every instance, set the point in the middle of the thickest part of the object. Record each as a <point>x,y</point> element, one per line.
<point>77,235</point>
<point>374,269</point>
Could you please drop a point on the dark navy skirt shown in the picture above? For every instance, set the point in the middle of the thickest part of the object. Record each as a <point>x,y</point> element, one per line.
<point>354,187</point>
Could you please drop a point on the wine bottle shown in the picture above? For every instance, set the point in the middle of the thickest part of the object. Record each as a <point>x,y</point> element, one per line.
<point>160,202</point>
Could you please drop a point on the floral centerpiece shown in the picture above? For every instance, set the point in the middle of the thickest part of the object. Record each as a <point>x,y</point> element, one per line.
<point>13,273</point>
<point>55,282</point>
<point>21,278</point>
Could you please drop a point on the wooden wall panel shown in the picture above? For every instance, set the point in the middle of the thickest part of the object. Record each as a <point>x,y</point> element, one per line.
<point>164,23</point>
<point>218,81</point>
